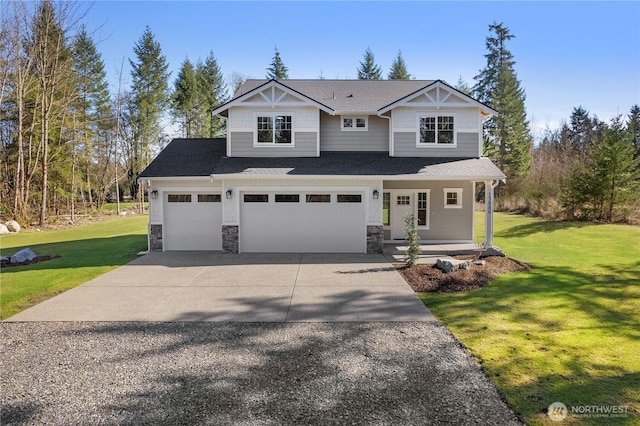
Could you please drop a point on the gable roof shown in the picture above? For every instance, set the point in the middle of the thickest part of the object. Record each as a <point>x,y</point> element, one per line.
<point>206,157</point>
<point>348,96</point>
<point>187,157</point>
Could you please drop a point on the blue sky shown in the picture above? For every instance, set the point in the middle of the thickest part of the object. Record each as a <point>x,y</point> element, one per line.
<point>567,53</point>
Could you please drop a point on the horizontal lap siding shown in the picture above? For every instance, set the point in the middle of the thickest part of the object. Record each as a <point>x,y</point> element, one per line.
<point>444,224</point>
<point>467,146</point>
<point>305,146</point>
<point>333,138</point>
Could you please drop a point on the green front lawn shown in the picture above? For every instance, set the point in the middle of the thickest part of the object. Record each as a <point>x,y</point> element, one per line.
<point>567,331</point>
<point>85,252</point>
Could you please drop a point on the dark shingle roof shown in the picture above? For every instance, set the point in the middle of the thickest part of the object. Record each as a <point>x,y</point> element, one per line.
<point>187,157</point>
<point>206,157</point>
<point>361,164</point>
<point>347,95</point>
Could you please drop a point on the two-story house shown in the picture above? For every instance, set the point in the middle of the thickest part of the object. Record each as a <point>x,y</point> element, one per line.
<point>325,166</point>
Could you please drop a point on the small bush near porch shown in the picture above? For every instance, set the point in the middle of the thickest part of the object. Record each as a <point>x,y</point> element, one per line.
<point>566,331</point>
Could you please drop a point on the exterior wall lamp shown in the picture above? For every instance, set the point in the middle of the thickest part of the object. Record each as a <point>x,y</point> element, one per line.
<point>229,193</point>
<point>154,195</point>
<point>376,194</point>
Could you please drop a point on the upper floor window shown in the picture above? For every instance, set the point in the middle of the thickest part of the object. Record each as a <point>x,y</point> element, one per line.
<point>354,123</point>
<point>274,129</point>
<point>437,130</point>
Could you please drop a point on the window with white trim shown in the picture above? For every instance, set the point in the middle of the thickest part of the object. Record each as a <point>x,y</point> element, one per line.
<point>274,129</point>
<point>354,123</point>
<point>422,210</point>
<point>437,130</point>
<point>453,198</point>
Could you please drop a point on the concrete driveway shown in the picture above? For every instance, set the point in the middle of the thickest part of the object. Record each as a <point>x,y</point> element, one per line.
<point>209,286</point>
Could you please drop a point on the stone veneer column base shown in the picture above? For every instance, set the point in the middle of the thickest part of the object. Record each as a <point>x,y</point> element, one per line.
<point>375,239</point>
<point>230,239</point>
<point>155,238</point>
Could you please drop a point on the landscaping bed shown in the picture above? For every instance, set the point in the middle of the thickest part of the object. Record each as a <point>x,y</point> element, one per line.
<point>429,278</point>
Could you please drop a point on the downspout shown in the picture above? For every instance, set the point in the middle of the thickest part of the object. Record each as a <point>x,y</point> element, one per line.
<point>390,134</point>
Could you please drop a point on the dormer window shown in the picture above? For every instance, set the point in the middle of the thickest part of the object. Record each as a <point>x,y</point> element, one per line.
<point>274,129</point>
<point>354,123</point>
<point>436,130</point>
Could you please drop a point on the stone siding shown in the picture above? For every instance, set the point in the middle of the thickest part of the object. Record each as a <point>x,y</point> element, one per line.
<point>230,239</point>
<point>155,238</point>
<point>375,239</point>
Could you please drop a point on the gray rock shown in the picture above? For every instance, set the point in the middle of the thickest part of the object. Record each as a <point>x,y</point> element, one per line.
<point>480,262</point>
<point>493,251</point>
<point>450,265</point>
<point>24,255</point>
<point>13,226</point>
<point>4,260</point>
<point>3,229</point>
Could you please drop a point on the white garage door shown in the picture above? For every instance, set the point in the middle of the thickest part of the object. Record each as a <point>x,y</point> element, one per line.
<point>192,221</point>
<point>312,222</point>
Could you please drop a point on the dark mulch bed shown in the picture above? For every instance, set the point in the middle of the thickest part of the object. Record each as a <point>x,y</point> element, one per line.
<point>36,260</point>
<point>428,278</point>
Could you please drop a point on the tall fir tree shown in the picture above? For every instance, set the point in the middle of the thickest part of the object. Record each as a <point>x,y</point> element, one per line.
<point>213,92</point>
<point>52,66</point>
<point>185,100</point>
<point>277,70</point>
<point>149,97</point>
<point>463,87</point>
<point>633,127</point>
<point>507,137</point>
<point>399,69</point>
<point>368,69</point>
<point>92,111</point>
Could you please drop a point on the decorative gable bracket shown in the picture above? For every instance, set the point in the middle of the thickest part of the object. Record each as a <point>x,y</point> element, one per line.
<point>271,94</point>
<point>439,94</point>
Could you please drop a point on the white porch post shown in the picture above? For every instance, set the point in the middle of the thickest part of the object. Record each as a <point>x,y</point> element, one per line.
<point>488,213</point>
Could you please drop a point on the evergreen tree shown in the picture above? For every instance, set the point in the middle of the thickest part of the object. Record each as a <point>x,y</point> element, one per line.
<point>213,91</point>
<point>507,137</point>
<point>463,87</point>
<point>186,103</point>
<point>368,70</point>
<point>582,131</point>
<point>277,70</point>
<point>52,67</point>
<point>92,111</point>
<point>399,69</point>
<point>149,97</point>
<point>633,127</point>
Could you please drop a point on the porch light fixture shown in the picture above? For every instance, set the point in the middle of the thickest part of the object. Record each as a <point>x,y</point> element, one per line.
<point>154,195</point>
<point>376,194</point>
<point>229,193</point>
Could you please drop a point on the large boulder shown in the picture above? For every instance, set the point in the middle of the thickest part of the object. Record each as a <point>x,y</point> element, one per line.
<point>13,226</point>
<point>450,265</point>
<point>24,255</point>
<point>3,229</point>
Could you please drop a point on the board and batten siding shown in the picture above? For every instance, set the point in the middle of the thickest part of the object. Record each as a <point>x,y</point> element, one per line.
<point>445,224</point>
<point>305,145</point>
<point>333,138</point>
<point>242,126</point>
<point>468,127</point>
<point>467,146</point>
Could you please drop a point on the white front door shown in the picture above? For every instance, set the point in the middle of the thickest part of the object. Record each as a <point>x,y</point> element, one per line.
<point>401,206</point>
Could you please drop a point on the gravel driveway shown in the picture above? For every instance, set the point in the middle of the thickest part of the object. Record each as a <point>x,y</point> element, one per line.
<point>125,373</point>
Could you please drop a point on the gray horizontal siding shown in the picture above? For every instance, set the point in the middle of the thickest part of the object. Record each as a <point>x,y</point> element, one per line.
<point>332,138</point>
<point>405,146</point>
<point>305,146</point>
<point>444,224</point>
